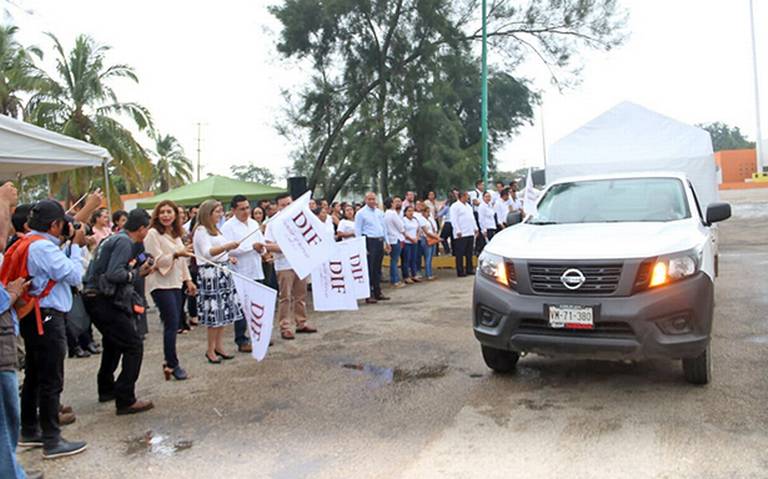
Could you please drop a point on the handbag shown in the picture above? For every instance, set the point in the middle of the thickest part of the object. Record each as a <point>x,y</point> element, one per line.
<point>432,241</point>
<point>78,319</point>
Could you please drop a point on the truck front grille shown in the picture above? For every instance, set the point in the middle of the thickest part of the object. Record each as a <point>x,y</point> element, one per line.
<point>606,329</point>
<point>600,280</point>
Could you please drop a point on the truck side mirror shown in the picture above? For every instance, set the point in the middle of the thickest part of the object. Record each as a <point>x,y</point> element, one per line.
<point>717,212</point>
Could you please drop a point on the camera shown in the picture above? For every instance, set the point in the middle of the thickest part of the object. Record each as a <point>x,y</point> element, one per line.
<point>71,226</point>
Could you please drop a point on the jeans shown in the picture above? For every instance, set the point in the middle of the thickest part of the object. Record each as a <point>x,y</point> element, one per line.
<point>429,252</point>
<point>10,422</point>
<point>43,376</point>
<point>394,255</point>
<point>410,259</point>
<point>168,302</point>
<point>121,340</point>
<point>241,337</point>
<point>420,246</point>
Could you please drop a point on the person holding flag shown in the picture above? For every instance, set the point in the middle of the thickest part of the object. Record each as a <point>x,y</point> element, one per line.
<point>292,300</point>
<point>217,299</point>
<point>245,230</point>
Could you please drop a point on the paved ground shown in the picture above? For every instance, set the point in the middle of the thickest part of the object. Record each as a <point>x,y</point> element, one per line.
<point>400,391</point>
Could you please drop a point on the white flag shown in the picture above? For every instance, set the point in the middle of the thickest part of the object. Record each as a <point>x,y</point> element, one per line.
<point>258,302</point>
<point>357,254</point>
<point>302,237</point>
<point>530,195</point>
<point>333,288</point>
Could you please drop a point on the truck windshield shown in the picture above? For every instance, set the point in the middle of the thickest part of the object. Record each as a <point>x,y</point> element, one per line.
<point>610,201</point>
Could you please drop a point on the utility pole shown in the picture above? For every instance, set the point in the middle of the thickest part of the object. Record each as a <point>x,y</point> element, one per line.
<point>484,106</point>
<point>198,151</point>
<point>543,137</point>
<point>759,141</point>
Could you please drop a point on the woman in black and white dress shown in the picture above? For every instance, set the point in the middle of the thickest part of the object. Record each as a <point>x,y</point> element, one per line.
<point>217,301</point>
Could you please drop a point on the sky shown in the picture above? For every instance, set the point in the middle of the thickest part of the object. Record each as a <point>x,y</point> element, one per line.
<point>215,63</point>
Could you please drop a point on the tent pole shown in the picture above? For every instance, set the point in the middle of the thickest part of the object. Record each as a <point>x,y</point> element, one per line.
<point>21,187</point>
<point>106,188</point>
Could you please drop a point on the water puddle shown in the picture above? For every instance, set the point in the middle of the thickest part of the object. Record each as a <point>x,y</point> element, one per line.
<point>757,339</point>
<point>156,445</point>
<point>381,375</point>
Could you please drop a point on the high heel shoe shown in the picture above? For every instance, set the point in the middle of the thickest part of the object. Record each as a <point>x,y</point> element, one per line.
<point>179,374</point>
<point>217,361</point>
<point>167,372</point>
<point>226,357</point>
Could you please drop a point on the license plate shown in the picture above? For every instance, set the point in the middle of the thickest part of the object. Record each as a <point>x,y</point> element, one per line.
<point>571,317</point>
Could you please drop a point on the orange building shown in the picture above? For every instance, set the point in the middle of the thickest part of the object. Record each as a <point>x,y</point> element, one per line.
<point>736,167</point>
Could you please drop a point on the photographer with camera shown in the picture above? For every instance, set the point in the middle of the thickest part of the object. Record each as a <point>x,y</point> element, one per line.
<point>114,306</point>
<point>39,258</point>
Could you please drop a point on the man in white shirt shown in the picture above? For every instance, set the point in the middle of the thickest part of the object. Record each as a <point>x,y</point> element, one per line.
<point>496,194</point>
<point>487,220</point>
<point>502,208</point>
<point>244,230</point>
<point>464,232</point>
<point>292,299</point>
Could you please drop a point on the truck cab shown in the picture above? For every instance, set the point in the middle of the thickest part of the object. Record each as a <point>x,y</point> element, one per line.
<point>617,266</point>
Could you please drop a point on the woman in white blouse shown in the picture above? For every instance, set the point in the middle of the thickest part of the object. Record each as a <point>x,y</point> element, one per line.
<point>411,226</point>
<point>486,217</point>
<point>346,229</point>
<point>164,242</point>
<point>217,299</point>
<point>429,239</point>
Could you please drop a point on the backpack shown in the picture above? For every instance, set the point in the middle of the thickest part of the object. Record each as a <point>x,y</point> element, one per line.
<point>14,267</point>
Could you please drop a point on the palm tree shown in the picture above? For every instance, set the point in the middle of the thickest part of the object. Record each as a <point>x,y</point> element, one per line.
<point>172,168</point>
<point>80,103</point>
<point>18,72</point>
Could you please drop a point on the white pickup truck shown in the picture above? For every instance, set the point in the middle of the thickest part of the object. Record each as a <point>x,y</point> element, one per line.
<point>610,267</point>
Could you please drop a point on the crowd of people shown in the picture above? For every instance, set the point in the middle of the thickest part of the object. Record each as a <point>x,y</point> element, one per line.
<point>66,271</point>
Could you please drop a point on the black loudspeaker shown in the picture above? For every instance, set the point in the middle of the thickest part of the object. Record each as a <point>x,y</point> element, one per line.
<point>297,186</point>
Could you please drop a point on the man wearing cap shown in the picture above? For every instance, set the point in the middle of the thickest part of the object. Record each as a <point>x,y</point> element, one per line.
<point>44,366</point>
<point>109,299</point>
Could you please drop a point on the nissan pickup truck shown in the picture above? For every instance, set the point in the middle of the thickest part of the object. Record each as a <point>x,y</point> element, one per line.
<point>617,267</point>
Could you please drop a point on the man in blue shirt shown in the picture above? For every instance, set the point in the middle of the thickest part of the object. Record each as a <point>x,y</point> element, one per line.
<point>44,366</point>
<point>369,222</point>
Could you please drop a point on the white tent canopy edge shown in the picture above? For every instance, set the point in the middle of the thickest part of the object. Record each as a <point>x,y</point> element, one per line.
<point>28,150</point>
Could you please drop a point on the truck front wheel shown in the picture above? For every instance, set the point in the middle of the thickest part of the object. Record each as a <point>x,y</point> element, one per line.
<point>698,370</point>
<point>499,360</point>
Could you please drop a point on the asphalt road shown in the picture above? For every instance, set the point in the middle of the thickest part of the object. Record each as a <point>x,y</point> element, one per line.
<point>399,390</point>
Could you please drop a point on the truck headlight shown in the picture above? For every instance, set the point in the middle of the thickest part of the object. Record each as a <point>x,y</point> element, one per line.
<point>495,267</point>
<point>674,267</point>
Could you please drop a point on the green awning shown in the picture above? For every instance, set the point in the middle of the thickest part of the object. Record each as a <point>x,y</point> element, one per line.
<point>217,187</point>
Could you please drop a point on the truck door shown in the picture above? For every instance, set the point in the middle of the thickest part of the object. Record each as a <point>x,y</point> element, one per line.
<point>709,255</point>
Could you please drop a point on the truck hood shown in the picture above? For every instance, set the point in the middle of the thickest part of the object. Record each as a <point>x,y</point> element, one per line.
<point>596,240</point>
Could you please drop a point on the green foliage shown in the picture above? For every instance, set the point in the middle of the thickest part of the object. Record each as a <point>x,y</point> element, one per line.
<point>18,72</point>
<point>393,100</point>
<point>172,168</point>
<point>253,173</point>
<point>725,137</point>
<point>80,102</point>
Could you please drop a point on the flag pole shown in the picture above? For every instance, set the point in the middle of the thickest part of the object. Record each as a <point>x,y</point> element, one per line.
<point>233,273</point>
<point>759,139</point>
<point>484,94</point>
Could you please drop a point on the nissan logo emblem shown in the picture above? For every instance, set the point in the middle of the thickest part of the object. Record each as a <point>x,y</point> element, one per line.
<point>573,279</point>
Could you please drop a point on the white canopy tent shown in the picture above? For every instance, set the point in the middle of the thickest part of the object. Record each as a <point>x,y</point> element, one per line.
<point>28,150</point>
<point>631,138</point>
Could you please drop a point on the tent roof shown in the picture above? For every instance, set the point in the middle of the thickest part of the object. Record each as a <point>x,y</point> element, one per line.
<point>217,187</point>
<point>630,133</point>
<point>30,150</point>
<point>630,138</point>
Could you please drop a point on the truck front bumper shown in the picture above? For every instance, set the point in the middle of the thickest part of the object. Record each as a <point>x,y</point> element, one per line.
<point>673,321</point>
